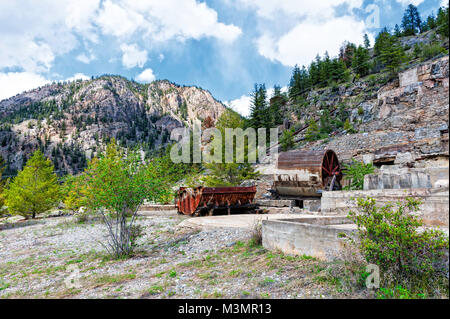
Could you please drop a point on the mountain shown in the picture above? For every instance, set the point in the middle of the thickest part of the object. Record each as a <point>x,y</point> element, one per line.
<point>72,121</point>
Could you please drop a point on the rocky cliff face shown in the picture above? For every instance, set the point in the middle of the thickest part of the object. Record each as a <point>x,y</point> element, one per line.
<point>404,121</point>
<point>73,121</point>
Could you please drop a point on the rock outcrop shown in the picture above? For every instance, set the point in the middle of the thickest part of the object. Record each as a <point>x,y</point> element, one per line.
<point>401,122</point>
<point>73,121</point>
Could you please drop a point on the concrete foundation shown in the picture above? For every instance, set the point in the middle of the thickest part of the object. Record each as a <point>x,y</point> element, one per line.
<point>275,203</point>
<point>247,221</point>
<point>312,205</point>
<point>318,236</point>
<point>395,177</point>
<point>434,209</point>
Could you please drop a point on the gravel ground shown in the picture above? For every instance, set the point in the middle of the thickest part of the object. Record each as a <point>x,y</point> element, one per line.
<point>61,258</point>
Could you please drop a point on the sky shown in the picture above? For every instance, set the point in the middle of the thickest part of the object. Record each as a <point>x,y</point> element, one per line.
<point>223,46</point>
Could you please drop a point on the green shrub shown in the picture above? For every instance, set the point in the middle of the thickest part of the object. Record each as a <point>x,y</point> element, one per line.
<point>389,237</point>
<point>432,50</point>
<point>349,127</point>
<point>287,140</point>
<point>356,172</point>
<point>398,292</point>
<point>35,189</point>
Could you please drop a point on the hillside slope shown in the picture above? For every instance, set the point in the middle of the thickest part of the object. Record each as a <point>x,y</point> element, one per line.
<point>407,115</point>
<point>71,122</point>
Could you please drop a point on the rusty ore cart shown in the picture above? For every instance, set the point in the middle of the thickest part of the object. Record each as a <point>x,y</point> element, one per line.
<point>212,200</point>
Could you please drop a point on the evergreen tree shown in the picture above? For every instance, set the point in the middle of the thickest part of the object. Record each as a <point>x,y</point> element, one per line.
<point>397,31</point>
<point>381,41</point>
<point>312,132</point>
<point>360,61</point>
<point>346,53</point>
<point>392,54</point>
<point>229,174</point>
<point>299,83</point>
<point>277,103</point>
<point>442,21</point>
<point>35,189</point>
<point>366,41</point>
<point>258,110</point>
<point>287,140</point>
<point>431,21</point>
<point>411,22</point>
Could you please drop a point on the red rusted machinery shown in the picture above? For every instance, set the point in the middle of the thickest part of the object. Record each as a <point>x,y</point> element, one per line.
<point>307,173</point>
<point>208,200</point>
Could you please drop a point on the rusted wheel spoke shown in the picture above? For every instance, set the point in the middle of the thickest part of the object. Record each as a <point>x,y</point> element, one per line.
<point>329,173</point>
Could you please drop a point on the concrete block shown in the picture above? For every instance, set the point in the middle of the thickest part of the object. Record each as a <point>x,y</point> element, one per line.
<point>311,205</point>
<point>319,237</point>
<point>434,209</point>
<point>275,203</point>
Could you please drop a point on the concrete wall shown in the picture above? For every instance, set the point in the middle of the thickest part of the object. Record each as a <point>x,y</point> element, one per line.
<point>401,177</point>
<point>313,238</point>
<point>434,209</point>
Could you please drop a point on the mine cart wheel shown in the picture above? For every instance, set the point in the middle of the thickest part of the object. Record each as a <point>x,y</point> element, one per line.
<point>331,171</point>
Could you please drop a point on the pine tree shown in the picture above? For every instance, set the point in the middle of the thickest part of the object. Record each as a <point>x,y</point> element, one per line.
<point>442,21</point>
<point>346,53</point>
<point>366,41</point>
<point>360,61</point>
<point>35,189</point>
<point>392,54</point>
<point>258,110</point>
<point>397,31</point>
<point>277,103</point>
<point>312,132</point>
<point>230,174</point>
<point>431,21</point>
<point>381,41</point>
<point>411,22</point>
<point>299,83</point>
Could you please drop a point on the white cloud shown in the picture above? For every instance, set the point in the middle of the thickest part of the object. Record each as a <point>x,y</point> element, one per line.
<point>133,56</point>
<point>146,76</point>
<point>167,20</point>
<point>117,20</point>
<point>86,58</point>
<point>407,2</point>
<point>161,57</point>
<point>302,43</point>
<point>444,3</point>
<point>13,83</point>
<point>298,8</point>
<point>240,105</point>
<point>35,33</point>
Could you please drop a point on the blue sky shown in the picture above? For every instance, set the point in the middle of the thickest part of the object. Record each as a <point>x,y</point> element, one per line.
<point>224,46</point>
